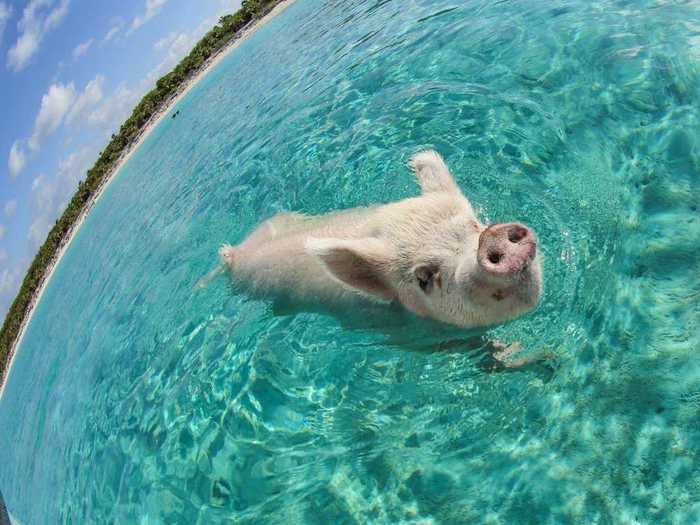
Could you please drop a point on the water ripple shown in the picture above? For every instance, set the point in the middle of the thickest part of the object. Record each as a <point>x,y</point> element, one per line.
<point>137,401</point>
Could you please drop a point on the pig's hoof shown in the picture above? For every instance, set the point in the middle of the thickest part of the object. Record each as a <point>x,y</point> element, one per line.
<point>504,351</point>
<point>426,159</point>
<point>227,252</point>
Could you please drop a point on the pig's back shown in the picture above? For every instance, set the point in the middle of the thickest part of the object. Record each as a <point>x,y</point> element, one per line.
<point>273,260</point>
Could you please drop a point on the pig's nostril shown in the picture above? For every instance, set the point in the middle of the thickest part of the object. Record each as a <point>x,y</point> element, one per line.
<point>517,234</point>
<point>495,257</point>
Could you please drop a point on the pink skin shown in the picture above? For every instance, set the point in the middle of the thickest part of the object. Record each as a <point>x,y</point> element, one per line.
<point>508,267</point>
<point>428,253</point>
<point>506,249</point>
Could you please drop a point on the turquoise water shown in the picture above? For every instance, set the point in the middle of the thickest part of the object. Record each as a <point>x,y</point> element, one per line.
<point>134,400</point>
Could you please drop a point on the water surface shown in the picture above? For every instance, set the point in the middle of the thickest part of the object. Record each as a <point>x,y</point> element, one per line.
<point>133,400</point>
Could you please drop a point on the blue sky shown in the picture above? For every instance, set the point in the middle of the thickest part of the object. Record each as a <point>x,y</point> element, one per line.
<point>71,71</point>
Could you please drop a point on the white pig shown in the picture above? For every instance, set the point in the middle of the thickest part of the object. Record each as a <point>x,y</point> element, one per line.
<point>429,254</point>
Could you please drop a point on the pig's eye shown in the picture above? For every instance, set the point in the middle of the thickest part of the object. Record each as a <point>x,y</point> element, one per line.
<point>423,283</point>
<point>428,276</point>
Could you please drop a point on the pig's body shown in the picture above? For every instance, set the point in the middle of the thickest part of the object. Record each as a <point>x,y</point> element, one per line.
<point>424,253</point>
<point>274,262</point>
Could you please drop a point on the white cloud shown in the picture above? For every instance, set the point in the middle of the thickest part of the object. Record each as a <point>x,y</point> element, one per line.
<point>81,49</point>
<point>43,193</point>
<point>115,109</point>
<point>17,159</point>
<point>165,42</point>
<point>88,99</point>
<point>3,231</point>
<point>59,104</point>
<point>55,104</point>
<point>111,33</point>
<point>52,195</point>
<point>153,7</point>
<point>56,16</point>
<point>38,230</point>
<point>10,279</point>
<point>74,168</point>
<point>176,47</point>
<point>5,14</point>
<point>3,255</point>
<point>38,18</point>
<point>10,208</point>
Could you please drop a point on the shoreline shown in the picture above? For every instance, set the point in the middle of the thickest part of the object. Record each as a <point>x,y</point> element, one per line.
<point>162,113</point>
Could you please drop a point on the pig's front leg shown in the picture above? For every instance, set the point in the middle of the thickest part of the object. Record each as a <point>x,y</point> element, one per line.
<point>504,354</point>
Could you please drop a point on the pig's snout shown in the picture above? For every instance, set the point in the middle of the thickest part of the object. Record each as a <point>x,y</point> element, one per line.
<point>506,249</point>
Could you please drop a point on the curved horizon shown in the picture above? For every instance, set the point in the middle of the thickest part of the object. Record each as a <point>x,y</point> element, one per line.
<point>234,29</point>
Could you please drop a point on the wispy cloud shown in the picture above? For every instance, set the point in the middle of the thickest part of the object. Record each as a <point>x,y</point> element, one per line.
<point>81,49</point>
<point>112,32</point>
<point>56,16</point>
<point>38,18</point>
<point>5,14</point>
<point>87,100</point>
<point>52,195</point>
<point>10,278</point>
<point>3,232</point>
<point>115,109</point>
<point>55,104</point>
<point>17,159</point>
<point>153,7</point>
<point>10,208</point>
<point>61,103</point>
<point>175,46</point>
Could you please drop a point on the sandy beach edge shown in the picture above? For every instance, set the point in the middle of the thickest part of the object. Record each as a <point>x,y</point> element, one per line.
<point>148,128</point>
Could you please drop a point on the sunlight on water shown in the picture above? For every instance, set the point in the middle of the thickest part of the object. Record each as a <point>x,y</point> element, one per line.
<point>134,400</point>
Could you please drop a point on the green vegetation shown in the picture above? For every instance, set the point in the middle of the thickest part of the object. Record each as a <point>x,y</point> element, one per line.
<point>166,89</point>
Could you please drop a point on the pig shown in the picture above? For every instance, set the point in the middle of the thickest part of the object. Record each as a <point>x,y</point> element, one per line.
<point>430,254</point>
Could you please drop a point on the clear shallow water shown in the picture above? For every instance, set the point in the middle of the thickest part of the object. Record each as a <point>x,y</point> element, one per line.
<point>133,400</point>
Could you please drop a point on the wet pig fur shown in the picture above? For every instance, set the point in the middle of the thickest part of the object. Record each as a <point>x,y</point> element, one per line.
<point>429,254</point>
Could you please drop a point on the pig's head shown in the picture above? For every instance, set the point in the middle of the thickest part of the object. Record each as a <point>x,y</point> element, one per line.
<point>433,256</point>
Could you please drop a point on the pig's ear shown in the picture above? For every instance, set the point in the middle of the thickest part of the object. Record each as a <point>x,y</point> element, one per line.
<point>432,173</point>
<point>361,264</point>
